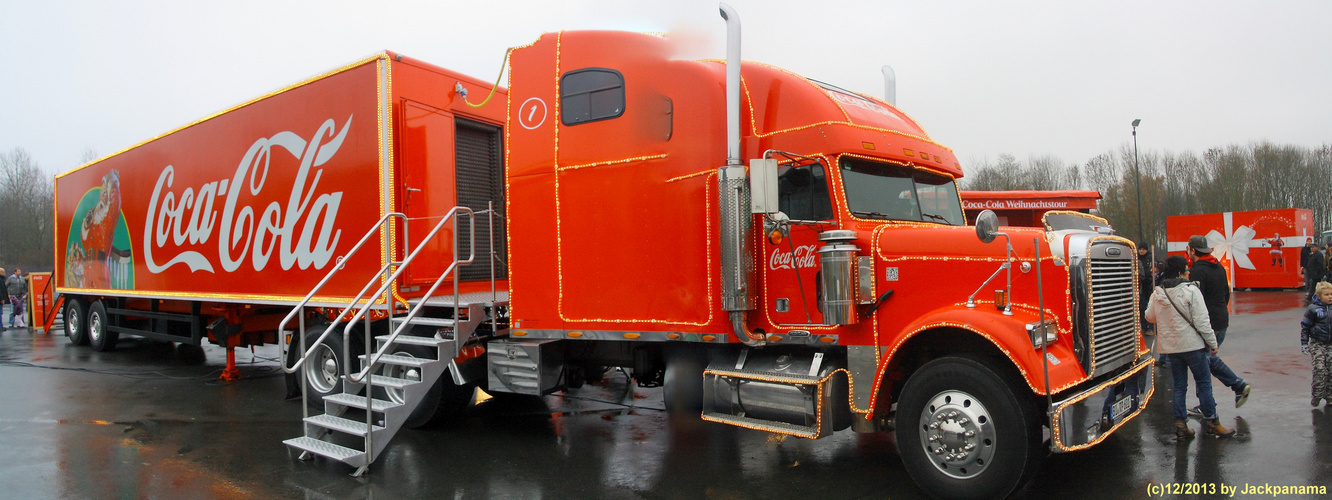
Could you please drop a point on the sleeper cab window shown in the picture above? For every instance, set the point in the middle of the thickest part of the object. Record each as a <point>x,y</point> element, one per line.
<point>591,94</point>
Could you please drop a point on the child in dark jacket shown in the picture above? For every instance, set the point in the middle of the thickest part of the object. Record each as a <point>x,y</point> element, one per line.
<point>1316,341</point>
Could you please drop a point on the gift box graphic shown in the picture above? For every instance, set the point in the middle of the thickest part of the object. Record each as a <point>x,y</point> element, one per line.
<point>1258,248</point>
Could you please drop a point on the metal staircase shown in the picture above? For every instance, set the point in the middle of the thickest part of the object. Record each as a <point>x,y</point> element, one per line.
<point>378,398</point>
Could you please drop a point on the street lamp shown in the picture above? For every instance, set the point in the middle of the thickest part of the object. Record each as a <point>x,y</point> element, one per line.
<point>1137,179</point>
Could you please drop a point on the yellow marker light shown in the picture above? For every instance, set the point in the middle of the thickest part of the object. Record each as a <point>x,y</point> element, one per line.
<point>774,338</point>
<point>775,237</point>
<point>908,152</point>
<point>520,333</point>
<point>575,334</point>
<point>631,336</point>
<point>673,336</point>
<point>867,145</point>
<point>827,340</point>
<point>708,338</point>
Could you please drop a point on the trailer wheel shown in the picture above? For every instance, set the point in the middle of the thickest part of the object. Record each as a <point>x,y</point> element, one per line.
<point>964,430</point>
<point>76,327</point>
<point>444,401</point>
<point>99,335</point>
<point>322,371</point>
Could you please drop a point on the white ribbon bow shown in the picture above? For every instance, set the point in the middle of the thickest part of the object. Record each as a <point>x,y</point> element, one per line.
<point>1235,243</point>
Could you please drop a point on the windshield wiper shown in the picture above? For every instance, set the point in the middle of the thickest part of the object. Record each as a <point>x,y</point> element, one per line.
<point>870,214</point>
<point>935,217</point>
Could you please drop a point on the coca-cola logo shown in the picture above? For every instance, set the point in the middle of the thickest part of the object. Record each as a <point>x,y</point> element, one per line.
<point>859,103</point>
<point>302,232</point>
<point>802,257</point>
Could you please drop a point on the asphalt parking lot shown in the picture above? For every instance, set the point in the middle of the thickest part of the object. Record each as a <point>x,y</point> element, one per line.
<point>151,420</point>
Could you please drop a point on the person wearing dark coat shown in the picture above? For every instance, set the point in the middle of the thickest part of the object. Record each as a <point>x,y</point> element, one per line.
<point>1145,270</point>
<point>1215,287</point>
<point>1314,269</point>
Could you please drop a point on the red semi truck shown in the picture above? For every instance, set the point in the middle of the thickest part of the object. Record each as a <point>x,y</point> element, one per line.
<point>779,253</point>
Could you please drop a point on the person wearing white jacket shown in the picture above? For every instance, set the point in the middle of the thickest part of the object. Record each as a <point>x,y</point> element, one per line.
<point>1184,333</point>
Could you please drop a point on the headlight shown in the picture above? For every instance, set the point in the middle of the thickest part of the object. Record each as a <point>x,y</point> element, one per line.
<point>1043,333</point>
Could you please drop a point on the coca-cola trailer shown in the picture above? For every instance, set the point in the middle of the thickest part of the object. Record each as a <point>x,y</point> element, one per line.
<point>781,254</point>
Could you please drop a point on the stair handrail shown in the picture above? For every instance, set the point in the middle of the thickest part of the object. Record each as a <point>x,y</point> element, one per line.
<point>373,362</point>
<point>341,263</point>
<point>366,375</point>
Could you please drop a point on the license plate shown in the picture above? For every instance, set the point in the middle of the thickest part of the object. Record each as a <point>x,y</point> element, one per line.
<point>1121,407</point>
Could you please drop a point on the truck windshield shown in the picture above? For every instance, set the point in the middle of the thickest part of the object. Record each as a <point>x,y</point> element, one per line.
<point>887,191</point>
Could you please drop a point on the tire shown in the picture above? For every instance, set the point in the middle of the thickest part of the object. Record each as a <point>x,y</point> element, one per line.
<point>99,334</point>
<point>444,401</point>
<point>682,386</point>
<point>322,371</point>
<point>76,321</point>
<point>962,402</point>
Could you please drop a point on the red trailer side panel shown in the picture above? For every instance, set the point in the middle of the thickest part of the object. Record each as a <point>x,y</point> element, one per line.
<point>253,203</point>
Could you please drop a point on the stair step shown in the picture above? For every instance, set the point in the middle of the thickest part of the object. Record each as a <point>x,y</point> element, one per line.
<point>394,359</point>
<point>343,425</point>
<point>392,382</point>
<point>439,322</point>
<point>354,401</point>
<point>411,340</point>
<point>355,458</point>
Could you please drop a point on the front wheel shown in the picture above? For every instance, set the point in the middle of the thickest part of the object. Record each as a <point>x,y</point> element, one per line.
<point>966,431</point>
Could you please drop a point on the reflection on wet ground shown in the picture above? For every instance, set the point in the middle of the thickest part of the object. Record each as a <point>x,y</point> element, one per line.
<point>152,420</point>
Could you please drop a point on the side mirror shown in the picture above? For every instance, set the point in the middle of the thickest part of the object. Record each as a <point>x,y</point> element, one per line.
<point>987,225</point>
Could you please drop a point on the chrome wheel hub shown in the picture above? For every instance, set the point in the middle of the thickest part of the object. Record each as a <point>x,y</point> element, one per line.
<point>321,369</point>
<point>95,328</point>
<point>958,434</point>
<point>402,372</point>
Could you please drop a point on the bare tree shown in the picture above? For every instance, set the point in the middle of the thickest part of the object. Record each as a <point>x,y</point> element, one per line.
<point>27,200</point>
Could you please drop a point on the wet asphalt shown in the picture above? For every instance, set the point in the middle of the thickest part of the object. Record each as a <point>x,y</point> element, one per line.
<point>151,420</point>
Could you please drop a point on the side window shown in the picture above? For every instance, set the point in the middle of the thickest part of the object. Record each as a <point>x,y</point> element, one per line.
<point>803,193</point>
<point>591,94</point>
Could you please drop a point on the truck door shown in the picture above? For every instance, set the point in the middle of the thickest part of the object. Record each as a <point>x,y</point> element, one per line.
<point>427,187</point>
<point>791,266</point>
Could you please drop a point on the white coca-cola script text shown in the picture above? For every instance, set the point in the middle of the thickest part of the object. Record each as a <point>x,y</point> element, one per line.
<point>303,232</point>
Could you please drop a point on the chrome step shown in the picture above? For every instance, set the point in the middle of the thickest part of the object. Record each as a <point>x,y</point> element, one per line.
<point>391,382</point>
<point>354,458</point>
<point>343,425</point>
<point>394,359</point>
<point>439,322</point>
<point>412,340</point>
<point>354,401</point>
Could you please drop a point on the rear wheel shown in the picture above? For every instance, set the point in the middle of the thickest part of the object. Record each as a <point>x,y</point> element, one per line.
<point>444,400</point>
<point>966,431</point>
<point>76,327</point>
<point>682,388</point>
<point>322,371</point>
<point>99,335</point>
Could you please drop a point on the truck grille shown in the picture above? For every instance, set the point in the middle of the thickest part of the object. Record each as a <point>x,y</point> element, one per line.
<point>1113,314</point>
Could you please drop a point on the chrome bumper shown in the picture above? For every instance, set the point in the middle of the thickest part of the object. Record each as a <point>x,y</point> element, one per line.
<point>1086,419</point>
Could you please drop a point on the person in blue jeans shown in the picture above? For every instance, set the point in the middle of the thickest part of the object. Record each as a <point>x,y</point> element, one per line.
<point>1183,332</point>
<point>1215,287</point>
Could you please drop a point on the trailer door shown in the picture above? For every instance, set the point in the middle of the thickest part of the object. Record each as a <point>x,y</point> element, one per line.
<point>427,187</point>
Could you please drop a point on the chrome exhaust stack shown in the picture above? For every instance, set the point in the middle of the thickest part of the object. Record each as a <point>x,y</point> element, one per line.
<point>735,210</point>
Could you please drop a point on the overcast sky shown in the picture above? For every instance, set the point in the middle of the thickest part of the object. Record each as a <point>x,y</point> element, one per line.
<point>985,78</point>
